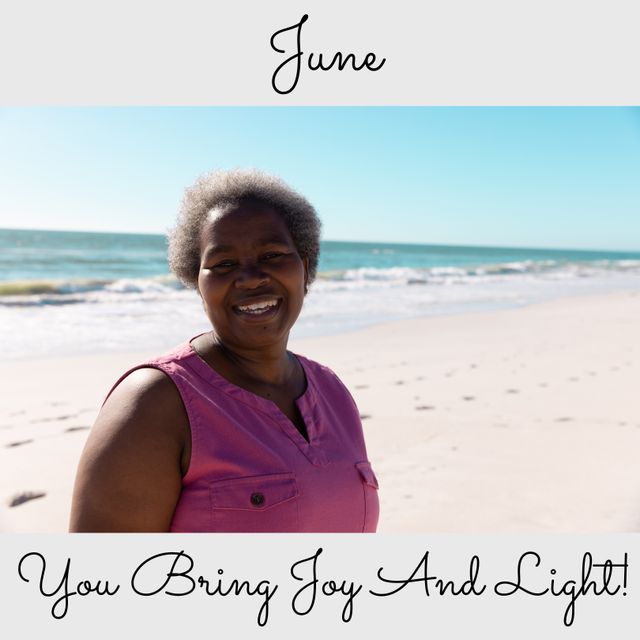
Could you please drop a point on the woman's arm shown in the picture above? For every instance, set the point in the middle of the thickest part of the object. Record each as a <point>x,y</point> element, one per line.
<point>130,472</point>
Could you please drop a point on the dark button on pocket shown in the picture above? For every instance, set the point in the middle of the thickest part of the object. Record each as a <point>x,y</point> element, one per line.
<point>264,503</point>
<point>257,499</point>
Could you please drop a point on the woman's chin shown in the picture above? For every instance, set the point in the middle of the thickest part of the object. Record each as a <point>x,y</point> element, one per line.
<point>252,335</point>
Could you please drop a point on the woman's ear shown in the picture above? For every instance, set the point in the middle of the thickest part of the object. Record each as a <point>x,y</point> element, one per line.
<point>305,262</point>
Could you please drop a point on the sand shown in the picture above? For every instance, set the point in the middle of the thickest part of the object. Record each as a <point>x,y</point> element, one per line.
<point>524,420</point>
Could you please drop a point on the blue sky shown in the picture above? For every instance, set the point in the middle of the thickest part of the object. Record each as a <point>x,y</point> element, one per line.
<point>539,177</point>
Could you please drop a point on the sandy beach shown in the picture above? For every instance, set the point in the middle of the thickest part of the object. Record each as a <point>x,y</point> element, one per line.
<point>524,419</point>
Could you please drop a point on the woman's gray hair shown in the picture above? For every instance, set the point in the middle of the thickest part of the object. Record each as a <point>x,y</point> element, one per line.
<point>229,188</point>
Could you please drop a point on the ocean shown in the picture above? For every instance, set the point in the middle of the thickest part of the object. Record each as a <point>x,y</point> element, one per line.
<point>64,292</point>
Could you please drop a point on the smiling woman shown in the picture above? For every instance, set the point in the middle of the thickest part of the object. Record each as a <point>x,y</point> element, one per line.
<point>230,431</point>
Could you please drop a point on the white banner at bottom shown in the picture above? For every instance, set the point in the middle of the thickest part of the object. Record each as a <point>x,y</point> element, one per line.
<point>281,586</point>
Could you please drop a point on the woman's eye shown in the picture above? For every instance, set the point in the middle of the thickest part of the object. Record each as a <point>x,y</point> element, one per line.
<point>272,254</point>
<point>225,264</point>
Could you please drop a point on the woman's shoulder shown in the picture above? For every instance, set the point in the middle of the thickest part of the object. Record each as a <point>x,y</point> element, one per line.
<point>323,376</point>
<point>316,368</point>
<point>144,384</point>
<point>146,398</point>
<point>174,356</point>
<point>154,375</point>
<point>145,404</point>
<point>328,391</point>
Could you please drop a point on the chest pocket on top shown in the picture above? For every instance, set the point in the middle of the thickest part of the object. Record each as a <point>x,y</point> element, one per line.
<point>371,503</point>
<point>266,503</point>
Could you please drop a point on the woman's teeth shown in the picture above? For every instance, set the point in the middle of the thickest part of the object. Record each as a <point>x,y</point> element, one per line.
<point>258,307</point>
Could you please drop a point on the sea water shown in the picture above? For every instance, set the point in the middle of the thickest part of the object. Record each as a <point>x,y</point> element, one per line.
<point>79,292</point>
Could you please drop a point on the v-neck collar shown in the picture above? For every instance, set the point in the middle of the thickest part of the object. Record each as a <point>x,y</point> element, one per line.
<point>304,402</point>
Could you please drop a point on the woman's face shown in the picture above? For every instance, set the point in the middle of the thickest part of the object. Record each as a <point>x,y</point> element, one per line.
<point>252,279</point>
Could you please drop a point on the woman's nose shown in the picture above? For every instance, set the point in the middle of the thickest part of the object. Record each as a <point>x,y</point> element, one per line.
<point>251,276</point>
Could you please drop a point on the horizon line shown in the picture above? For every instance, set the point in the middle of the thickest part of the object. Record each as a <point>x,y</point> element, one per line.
<point>385,242</point>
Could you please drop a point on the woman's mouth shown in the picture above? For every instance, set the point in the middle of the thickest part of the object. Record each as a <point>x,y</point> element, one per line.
<point>260,309</point>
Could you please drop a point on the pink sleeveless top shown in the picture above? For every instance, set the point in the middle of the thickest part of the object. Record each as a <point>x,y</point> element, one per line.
<point>252,471</point>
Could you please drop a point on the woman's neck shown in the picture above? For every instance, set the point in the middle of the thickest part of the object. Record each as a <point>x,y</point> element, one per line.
<point>272,364</point>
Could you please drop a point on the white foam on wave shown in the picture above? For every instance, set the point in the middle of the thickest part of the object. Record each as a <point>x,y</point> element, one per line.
<point>398,274</point>
<point>473,274</point>
<point>140,285</point>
